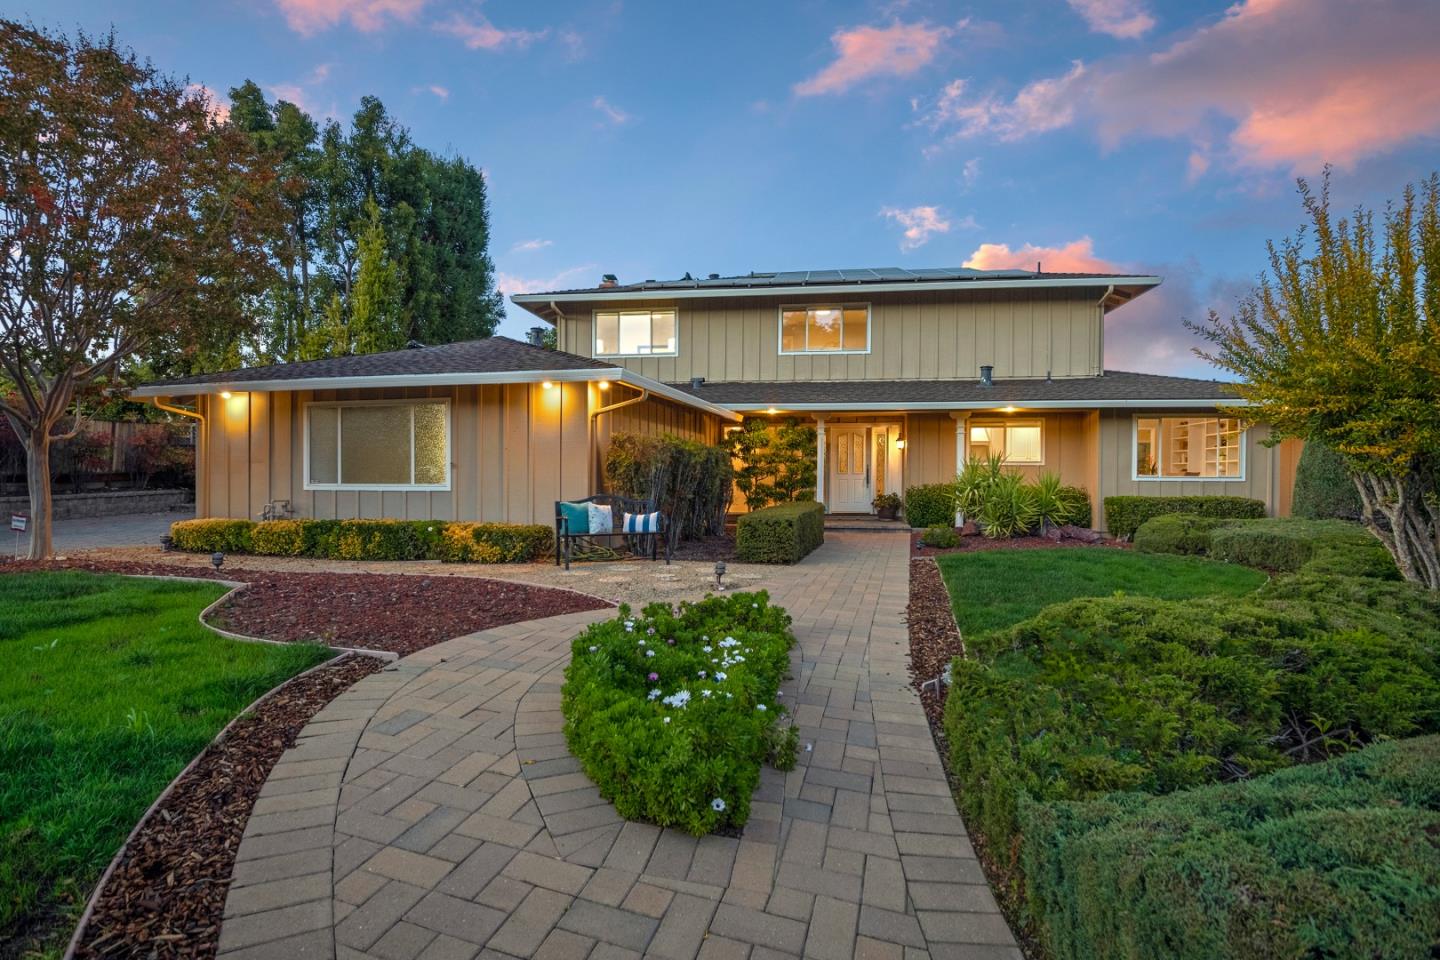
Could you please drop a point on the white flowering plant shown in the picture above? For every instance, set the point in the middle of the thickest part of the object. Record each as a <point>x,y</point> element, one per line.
<point>670,730</point>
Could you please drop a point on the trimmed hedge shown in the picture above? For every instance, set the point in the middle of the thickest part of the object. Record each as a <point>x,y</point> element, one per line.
<point>1124,515</point>
<point>1323,488</point>
<point>1334,859</point>
<point>1290,545</point>
<point>1182,533</point>
<point>930,505</point>
<point>940,536</point>
<point>671,713</point>
<point>448,541</point>
<point>1077,502</point>
<point>1127,693</point>
<point>784,533</point>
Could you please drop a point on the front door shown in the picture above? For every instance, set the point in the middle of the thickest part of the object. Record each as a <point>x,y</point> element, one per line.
<point>850,478</point>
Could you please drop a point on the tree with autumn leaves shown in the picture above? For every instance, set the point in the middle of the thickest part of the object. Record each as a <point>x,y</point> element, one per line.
<point>128,216</point>
<point>1340,344</point>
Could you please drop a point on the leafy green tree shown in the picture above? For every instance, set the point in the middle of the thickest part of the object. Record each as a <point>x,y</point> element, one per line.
<point>777,461</point>
<point>127,216</point>
<point>1340,344</point>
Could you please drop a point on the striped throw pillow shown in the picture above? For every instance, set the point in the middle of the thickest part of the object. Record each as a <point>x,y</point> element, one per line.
<point>642,523</point>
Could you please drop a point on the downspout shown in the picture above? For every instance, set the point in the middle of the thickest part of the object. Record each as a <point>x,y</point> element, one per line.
<point>598,467</point>
<point>201,448</point>
<point>1103,297</point>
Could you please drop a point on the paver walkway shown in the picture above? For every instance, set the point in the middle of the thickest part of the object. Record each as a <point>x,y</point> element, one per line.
<point>434,812</point>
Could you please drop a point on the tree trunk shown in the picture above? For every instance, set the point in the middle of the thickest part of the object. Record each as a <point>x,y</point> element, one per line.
<point>1411,527</point>
<point>37,478</point>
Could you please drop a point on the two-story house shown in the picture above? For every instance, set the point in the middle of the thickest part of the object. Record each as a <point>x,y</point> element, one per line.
<point>906,374</point>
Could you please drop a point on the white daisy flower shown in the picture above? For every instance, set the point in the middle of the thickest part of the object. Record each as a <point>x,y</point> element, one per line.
<point>667,719</point>
<point>649,653</point>
<point>717,805</point>
<point>760,707</point>
<point>719,675</point>
<point>654,694</point>
<point>593,648</point>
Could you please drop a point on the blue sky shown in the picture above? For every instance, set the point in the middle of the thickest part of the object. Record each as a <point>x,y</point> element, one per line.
<point>648,139</point>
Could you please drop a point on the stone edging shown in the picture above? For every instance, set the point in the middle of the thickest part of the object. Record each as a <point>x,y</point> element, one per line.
<point>77,936</point>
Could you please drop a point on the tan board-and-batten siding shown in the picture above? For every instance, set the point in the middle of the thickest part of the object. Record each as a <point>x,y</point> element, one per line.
<point>921,335</point>
<point>514,450</point>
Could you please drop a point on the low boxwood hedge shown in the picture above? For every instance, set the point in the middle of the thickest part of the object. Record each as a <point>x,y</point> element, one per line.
<point>1180,533</point>
<point>1124,515</point>
<point>1285,545</point>
<point>1335,859</point>
<point>1127,693</point>
<point>672,712</point>
<point>784,533</point>
<point>449,541</point>
<point>930,505</point>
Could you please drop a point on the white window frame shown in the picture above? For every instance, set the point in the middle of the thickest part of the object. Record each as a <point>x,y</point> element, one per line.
<point>842,307</point>
<point>595,330</point>
<point>340,441</point>
<point>1135,473</point>
<point>984,422</point>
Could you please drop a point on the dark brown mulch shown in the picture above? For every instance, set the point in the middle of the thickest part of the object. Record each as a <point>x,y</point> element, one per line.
<point>934,637</point>
<point>707,548</point>
<point>398,613</point>
<point>166,898</point>
<point>978,543</point>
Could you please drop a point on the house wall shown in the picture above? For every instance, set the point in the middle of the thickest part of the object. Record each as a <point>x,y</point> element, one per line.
<point>924,335</point>
<point>1069,439</point>
<point>1265,475</point>
<point>515,449</point>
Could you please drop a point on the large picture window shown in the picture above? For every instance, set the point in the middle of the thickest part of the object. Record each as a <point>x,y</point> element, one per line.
<point>1018,441</point>
<point>635,333</point>
<point>1189,448</point>
<point>833,329</point>
<point>390,445</point>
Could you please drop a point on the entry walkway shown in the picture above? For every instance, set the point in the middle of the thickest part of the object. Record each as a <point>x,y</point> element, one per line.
<point>434,812</point>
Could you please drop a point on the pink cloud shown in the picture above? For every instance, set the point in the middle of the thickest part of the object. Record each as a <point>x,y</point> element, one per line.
<point>1042,105</point>
<point>478,33</point>
<point>510,284</point>
<point>312,16</point>
<point>920,224</point>
<point>1125,19</point>
<point>862,53</point>
<point>1077,256</point>
<point>215,104</point>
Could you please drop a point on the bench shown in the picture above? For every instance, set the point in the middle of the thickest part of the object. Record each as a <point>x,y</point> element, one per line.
<point>637,543</point>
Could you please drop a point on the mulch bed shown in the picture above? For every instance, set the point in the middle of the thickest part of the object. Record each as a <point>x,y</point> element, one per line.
<point>167,897</point>
<point>977,543</point>
<point>707,548</point>
<point>934,637</point>
<point>392,612</point>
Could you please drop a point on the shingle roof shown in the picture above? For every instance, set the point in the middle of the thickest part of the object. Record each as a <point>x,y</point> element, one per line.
<point>491,355</point>
<point>1115,385</point>
<point>828,278</point>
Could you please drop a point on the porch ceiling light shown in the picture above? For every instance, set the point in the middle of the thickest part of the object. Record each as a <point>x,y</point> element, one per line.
<point>772,411</point>
<point>226,394</point>
<point>1009,409</point>
<point>547,384</point>
<point>604,384</point>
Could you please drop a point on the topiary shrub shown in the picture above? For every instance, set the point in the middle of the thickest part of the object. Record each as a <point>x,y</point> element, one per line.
<point>1323,487</point>
<point>781,534</point>
<point>1288,545</point>
<point>672,712</point>
<point>940,536</point>
<point>1124,515</point>
<point>930,504</point>
<point>1182,533</point>
<point>1336,859</point>
<point>211,535</point>
<point>449,541</point>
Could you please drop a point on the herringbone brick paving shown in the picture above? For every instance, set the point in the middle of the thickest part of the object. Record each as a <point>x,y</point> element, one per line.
<point>433,812</point>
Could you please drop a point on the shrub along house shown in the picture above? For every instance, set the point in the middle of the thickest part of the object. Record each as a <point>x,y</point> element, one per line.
<point>905,374</point>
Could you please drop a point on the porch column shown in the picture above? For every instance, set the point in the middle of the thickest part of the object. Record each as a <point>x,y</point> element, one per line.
<point>962,427</point>
<point>820,460</point>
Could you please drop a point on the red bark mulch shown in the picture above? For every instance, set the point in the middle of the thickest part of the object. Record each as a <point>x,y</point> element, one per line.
<point>934,637</point>
<point>166,899</point>
<point>399,613</point>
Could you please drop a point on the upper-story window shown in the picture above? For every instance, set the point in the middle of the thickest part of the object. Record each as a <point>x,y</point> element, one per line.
<point>1189,448</point>
<point>841,328</point>
<point>635,333</point>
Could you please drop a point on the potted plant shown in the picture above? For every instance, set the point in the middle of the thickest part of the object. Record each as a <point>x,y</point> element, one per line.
<point>887,505</point>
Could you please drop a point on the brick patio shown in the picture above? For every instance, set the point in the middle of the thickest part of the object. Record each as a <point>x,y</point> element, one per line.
<point>434,812</point>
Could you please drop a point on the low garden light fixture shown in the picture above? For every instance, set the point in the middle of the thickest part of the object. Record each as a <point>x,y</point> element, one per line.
<point>216,559</point>
<point>719,574</point>
<point>167,543</point>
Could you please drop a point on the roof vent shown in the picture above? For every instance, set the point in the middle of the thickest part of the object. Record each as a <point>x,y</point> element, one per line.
<point>608,280</point>
<point>687,276</point>
<point>714,276</point>
<point>414,345</point>
<point>696,383</point>
<point>987,376</point>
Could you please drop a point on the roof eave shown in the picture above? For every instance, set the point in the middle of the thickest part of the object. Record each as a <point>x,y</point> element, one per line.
<point>1019,404</point>
<point>527,300</point>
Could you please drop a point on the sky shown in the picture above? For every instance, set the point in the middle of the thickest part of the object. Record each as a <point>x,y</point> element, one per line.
<point>652,139</point>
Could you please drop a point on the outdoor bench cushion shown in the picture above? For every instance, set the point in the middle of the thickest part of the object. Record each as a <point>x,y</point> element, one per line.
<point>642,523</point>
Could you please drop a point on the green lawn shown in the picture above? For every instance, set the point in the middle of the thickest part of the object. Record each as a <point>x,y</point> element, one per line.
<point>109,687</point>
<point>993,589</point>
